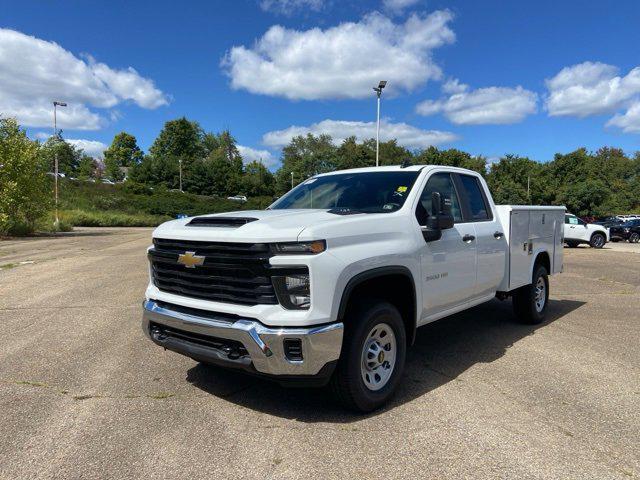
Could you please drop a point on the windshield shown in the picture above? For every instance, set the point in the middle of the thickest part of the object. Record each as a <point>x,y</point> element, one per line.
<point>367,192</point>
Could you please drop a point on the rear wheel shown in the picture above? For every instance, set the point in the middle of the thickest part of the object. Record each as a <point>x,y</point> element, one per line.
<point>634,237</point>
<point>373,356</point>
<point>597,240</point>
<point>530,301</point>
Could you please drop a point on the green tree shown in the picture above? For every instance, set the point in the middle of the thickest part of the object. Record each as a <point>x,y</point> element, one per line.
<point>512,177</point>
<point>68,155</point>
<point>180,138</point>
<point>24,190</point>
<point>122,153</point>
<point>87,168</point>
<point>305,156</point>
<point>257,180</point>
<point>390,152</point>
<point>352,154</point>
<point>452,158</point>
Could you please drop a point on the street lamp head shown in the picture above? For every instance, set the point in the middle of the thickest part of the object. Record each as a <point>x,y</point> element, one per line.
<point>59,104</point>
<point>382,84</point>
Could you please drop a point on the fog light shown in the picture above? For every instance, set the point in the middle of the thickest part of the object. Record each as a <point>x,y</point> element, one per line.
<point>293,291</point>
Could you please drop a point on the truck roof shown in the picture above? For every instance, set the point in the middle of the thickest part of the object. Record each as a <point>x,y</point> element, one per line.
<point>395,168</point>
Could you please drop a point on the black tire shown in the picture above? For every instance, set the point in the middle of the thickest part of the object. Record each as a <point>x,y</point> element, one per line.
<point>572,244</point>
<point>634,237</point>
<point>347,382</point>
<point>525,299</point>
<point>597,240</point>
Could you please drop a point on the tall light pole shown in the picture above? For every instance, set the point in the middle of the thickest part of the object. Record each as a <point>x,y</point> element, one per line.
<point>180,165</point>
<point>291,180</point>
<point>378,90</point>
<point>55,151</point>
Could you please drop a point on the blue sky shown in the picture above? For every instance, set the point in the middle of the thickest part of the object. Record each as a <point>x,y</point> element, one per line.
<point>488,77</point>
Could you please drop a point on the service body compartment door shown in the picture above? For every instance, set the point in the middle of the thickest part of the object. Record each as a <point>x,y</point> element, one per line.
<point>519,257</point>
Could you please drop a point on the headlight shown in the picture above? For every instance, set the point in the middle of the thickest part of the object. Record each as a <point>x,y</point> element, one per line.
<point>626,230</point>
<point>309,248</point>
<point>293,291</point>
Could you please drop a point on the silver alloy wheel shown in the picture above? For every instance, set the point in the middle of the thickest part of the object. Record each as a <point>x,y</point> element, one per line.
<point>378,357</point>
<point>598,241</point>
<point>540,294</point>
<point>634,238</point>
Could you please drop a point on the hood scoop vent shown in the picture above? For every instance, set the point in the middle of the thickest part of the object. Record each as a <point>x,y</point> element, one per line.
<point>224,222</point>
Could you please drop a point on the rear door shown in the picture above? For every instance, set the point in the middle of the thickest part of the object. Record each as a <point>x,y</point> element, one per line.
<point>448,264</point>
<point>491,243</point>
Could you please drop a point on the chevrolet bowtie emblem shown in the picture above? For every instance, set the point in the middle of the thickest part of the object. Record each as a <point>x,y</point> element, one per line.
<point>190,259</point>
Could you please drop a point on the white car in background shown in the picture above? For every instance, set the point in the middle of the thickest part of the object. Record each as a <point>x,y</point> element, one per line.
<point>577,231</point>
<point>238,198</point>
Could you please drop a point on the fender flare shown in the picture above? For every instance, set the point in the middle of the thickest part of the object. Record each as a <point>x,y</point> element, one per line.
<point>381,272</point>
<point>537,254</point>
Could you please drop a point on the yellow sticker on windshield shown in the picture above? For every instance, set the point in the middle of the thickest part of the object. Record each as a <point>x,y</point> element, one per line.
<point>401,189</point>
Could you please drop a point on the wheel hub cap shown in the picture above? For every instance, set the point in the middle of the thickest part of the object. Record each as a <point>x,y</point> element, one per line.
<point>540,294</point>
<point>378,357</point>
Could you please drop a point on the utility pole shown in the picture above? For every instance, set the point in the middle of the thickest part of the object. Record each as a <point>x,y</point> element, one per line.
<point>180,165</point>
<point>528,194</point>
<point>378,91</point>
<point>55,153</point>
<point>291,180</point>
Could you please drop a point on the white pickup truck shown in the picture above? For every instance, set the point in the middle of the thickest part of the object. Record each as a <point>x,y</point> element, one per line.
<point>329,284</point>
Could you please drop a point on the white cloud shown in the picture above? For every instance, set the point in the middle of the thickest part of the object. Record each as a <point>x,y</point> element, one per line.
<point>398,6</point>
<point>251,154</point>
<point>407,135</point>
<point>591,88</point>
<point>344,61</point>
<point>629,122</point>
<point>491,105</point>
<point>93,148</point>
<point>288,7</point>
<point>34,72</point>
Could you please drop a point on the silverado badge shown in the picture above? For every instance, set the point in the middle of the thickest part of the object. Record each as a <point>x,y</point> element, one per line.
<point>190,259</point>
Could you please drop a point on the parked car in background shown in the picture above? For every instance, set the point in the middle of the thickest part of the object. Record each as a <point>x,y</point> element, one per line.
<point>577,231</point>
<point>608,221</point>
<point>238,198</point>
<point>629,231</point>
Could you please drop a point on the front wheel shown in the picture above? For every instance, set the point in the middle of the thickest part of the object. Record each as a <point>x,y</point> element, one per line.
<point>373,356</point>
<point>634,237</point>
<point>597,240</point>
<point>530,301</point>
<point>572,244</point>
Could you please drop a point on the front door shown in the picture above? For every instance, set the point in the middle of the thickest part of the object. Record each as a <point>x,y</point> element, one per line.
<point>448,264</point>
<point>575,228</point>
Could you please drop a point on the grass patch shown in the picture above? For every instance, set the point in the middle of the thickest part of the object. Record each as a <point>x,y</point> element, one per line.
<point>88,218</point>
<point>89,204</point>
<point>8,266</point>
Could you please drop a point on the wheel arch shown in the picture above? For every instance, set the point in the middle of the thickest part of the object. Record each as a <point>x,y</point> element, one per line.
<point>395,284</point>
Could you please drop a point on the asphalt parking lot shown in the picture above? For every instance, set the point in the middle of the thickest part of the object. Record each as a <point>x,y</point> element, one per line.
<point>84,395</point>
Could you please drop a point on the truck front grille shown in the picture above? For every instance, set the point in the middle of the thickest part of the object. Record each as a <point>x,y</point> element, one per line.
<point>231,272</point>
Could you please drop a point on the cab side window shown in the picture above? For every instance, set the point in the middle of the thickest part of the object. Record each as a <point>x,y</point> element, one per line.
<point>571,220</point>
<point>443,184</point>
<point>479,210</point>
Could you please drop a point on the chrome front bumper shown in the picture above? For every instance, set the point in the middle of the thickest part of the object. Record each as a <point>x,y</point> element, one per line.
<point>266,354</point>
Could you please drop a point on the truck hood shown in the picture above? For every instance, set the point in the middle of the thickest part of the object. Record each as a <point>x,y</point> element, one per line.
<point>268,226</point>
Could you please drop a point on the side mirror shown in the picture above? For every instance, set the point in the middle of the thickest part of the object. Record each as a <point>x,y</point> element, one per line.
<point>440,218</point>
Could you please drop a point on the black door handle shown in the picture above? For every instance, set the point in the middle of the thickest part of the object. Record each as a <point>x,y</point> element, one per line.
<point>498,235</point>
<point>468,238</point>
